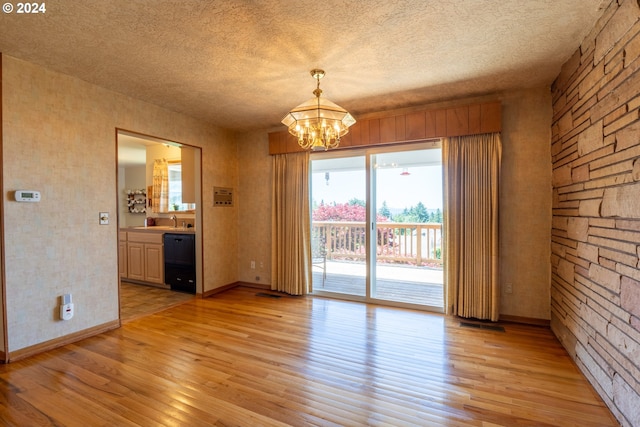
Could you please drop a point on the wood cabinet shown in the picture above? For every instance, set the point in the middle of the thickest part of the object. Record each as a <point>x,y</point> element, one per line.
<point>122,254</point>
<point>135,258</point>
<point>145,259</point>
<point>153,263</point>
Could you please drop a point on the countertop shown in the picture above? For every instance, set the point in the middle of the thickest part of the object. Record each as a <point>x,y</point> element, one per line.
<point>160,229</point>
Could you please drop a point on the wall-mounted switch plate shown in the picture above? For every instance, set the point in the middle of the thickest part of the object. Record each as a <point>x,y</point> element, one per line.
<point>104,218</point>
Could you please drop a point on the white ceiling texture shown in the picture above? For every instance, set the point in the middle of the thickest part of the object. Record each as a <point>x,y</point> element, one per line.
<point>243,64</point>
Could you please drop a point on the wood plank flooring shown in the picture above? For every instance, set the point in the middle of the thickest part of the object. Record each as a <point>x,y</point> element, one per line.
<point>141,300</point>
<point>239,359</point>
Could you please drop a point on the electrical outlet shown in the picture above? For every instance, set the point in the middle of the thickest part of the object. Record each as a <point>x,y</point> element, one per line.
<point>508,288</point>
<point>66,307</point>
<point>253,265</point>
<point>66,311</point>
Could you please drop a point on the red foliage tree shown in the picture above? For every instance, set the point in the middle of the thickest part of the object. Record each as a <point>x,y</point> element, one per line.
<point>343,212</point>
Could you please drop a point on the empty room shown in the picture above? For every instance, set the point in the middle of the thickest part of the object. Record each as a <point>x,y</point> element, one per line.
<point>320,213</point>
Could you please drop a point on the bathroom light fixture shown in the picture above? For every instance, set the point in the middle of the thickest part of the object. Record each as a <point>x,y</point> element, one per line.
<point>318,123</point>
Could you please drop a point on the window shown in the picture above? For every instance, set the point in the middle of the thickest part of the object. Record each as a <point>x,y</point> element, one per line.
<point>175,189</point>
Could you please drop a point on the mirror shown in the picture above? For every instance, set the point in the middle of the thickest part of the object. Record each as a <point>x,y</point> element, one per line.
<point>177,203</point>
<point>137,156</point>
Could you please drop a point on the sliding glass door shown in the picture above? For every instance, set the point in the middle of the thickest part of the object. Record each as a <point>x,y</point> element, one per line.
<point>377,225</point>
<point>407,200</point>
<point>338,232</point>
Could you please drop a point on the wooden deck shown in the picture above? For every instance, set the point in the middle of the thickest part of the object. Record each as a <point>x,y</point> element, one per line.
<point>421,285</point>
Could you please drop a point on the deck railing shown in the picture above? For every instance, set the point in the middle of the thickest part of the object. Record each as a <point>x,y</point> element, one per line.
<point>397,242</point>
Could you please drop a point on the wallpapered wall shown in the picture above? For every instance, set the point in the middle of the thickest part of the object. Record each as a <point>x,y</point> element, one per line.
<point>525,202</point>
<point>596,208</point>
<point>59,138</point>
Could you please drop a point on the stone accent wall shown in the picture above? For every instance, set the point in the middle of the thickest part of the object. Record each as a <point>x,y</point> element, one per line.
<point>595,289</point>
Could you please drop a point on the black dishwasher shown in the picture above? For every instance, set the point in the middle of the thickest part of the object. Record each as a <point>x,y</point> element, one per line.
<point>180,262</point>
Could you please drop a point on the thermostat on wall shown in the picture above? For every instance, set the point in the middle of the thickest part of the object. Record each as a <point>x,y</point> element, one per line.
<point>27,196</point>
<point>222,196</point>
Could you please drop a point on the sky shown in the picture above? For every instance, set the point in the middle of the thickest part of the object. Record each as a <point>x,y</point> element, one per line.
<point>423,184</point>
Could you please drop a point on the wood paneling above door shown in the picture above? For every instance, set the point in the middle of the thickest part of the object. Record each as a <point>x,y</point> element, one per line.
<point>414,126</point>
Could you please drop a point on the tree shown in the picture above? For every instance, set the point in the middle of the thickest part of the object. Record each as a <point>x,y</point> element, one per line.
<point>416,213</point>
<point>420,212</point>
<point>436,216</point>
<point>343,212</point>
<point>384,210</point>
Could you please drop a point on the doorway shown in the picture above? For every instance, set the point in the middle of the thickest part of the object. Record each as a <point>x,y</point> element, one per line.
<point>137,155</point>
<point>377,225</point>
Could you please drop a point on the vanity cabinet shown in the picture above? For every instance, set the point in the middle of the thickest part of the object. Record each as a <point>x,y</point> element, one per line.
<point>145,259</point>
<point>122,254</point>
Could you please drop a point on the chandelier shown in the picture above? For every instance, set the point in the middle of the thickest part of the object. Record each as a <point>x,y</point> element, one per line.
<point>318,123</point>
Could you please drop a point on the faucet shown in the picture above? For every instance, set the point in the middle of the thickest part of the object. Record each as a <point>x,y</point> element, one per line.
<point>175,221</point>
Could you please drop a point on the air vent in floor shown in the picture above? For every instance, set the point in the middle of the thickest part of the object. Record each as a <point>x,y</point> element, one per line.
<point>481,326</point>
<point>263,294</point>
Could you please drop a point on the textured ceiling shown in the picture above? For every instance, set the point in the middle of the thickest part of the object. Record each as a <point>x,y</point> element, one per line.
<point>243,64</point>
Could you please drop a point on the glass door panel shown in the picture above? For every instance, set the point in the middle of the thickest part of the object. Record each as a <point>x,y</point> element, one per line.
<point>407,201</point>
<point>377,236</point>
<point>338,238</point>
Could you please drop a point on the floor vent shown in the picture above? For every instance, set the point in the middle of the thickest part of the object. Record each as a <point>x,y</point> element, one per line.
<point>481,326</point>
<point>263,294</point>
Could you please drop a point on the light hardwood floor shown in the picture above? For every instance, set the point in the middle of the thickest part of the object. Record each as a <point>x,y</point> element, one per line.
<point>240,359</point>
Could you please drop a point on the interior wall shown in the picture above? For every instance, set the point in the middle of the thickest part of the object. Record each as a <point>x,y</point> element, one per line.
<point>60,138</point>
<point>134,179</point>
<point>220,224</point>
<point>254,219</point>
<point>595,306</point>
<point>525,202</point>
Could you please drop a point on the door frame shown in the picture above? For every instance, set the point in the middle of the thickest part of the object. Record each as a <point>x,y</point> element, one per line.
<point>370,278</point>
<point>198,211</point>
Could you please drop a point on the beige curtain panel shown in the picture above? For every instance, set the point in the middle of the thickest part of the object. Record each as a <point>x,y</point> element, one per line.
<point>291,225</point>
<point>471,185</point>
<point>160,201</point>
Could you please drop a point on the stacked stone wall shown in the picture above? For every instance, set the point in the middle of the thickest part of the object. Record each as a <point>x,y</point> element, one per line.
<point>595,289</point>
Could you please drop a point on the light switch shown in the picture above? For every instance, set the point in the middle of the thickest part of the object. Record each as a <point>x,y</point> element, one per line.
<point>104,218</point>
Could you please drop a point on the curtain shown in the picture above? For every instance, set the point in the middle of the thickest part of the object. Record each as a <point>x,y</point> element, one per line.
<point>291,224</point>
<point>160,201</point>
<point>471,178</point>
